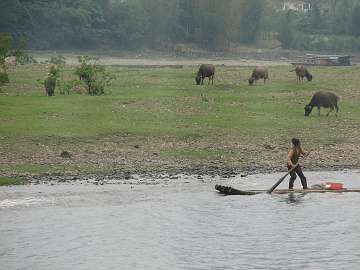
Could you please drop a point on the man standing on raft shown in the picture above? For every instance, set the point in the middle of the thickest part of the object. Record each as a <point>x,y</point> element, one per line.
<point>293,158</point>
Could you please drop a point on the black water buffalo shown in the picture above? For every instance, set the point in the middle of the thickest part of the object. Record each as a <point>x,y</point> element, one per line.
<point>259,73</point>
<point>301,73</point>
<point>322,99</point>
<point>205,70</point>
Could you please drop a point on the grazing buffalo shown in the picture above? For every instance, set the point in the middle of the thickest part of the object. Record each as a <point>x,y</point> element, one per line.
<point>322,99</point>
<point>301,73</point>
<point>205,70</point>
<point>259,73</point>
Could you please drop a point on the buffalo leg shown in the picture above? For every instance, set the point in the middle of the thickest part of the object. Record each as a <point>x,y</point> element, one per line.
<point>331,109</point>
<point>336,109</point>
<point>318,107</point>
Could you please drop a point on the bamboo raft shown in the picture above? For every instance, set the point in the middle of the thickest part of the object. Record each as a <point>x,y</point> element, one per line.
<point>227,190</point>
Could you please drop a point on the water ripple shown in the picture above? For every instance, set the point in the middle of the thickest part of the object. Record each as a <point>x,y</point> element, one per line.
<point>186,227</point>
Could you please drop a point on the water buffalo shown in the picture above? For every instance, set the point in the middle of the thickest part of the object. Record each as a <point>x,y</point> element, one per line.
<point>301,73</point>
<point>322,99</point>
<point>259,73</point>
<point>205,70</point>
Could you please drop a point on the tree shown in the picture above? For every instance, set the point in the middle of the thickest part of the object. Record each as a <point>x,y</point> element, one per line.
<point>315,19</point>
<point>250,20</point>
<point>286,30</point>
<point>340,20</point>
<point>186,18</point>
<point>211,33</point>
<point>355,21</point>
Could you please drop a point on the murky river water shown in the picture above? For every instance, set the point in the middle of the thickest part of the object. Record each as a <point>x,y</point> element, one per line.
<point>180,226</point>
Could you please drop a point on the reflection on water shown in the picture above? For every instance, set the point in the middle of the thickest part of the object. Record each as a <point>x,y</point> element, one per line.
<point>293,198</point>
<point>187,226</point>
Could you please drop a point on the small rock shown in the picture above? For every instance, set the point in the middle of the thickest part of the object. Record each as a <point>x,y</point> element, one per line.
<point>65,154</point>
<point>269,147</point>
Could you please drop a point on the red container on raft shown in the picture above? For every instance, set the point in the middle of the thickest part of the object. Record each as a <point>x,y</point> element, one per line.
<point>333,186</point>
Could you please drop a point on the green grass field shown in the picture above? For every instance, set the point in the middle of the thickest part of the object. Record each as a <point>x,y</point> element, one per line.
<point>158,117</point>
<point>10,181</point>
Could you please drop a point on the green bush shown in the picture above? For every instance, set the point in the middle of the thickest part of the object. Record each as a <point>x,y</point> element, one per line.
<point>18,50</point>
<point>24,59</point>
<point>58,60</point>
<point>67,87</point>
<point>9,181</point>
<point>4,78</point>
<point>95,77</point>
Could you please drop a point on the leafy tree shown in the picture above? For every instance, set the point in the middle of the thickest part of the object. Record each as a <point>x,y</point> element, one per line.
<point>315,19</point>
<point>186,19</point>
<point>355,21</point>
<point>250,20</point>
<point>128,25</point>
<point>340,19</point>
<point>162,24</point>
<point>286,30</point>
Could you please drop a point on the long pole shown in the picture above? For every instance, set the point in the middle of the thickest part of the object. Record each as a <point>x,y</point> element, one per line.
<point>282,179</point>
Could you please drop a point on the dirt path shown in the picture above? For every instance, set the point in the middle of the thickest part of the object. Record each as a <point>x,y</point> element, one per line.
<point>141,62</point>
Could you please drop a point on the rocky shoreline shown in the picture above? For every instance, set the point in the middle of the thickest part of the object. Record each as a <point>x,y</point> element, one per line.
<point>131,165</point>
<point>141,177</point>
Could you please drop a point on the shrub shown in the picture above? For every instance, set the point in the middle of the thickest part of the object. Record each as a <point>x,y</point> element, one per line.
<point>95,77</point>
<point>66,87</point>
<point>21,57</point>
<point>24,59</point>
<point>5,45</point>
<point>58,60</point>
<point>4,78</point>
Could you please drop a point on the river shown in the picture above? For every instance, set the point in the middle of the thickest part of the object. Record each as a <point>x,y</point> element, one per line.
<point>180,224</point>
